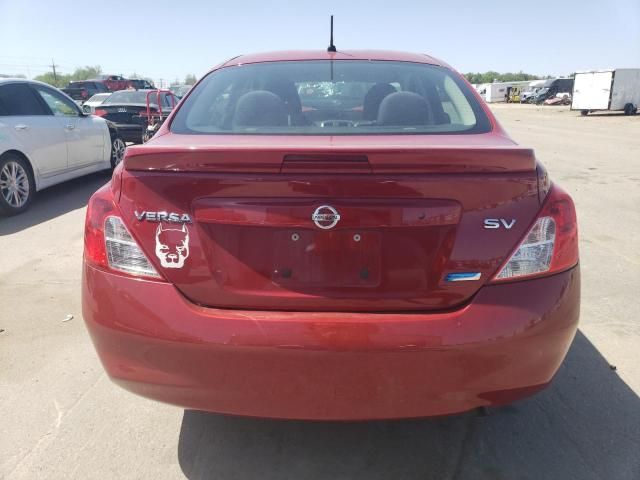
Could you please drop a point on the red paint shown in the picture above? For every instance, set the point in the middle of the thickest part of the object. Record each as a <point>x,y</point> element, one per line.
<point>384,153</point>
<point>114,83</point>
<point>294,55</point>
<point>315,365</point>
<point>272,316</point>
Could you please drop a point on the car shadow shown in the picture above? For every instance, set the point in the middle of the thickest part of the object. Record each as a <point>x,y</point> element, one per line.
<point>55,201</point>
<point>604,114</point>
<point>585,426</point>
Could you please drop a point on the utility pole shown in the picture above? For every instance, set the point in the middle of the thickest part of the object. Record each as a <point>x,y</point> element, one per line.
<point>53,66</point>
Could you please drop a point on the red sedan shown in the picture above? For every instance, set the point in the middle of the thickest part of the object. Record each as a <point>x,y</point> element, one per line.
<point>331,235</point>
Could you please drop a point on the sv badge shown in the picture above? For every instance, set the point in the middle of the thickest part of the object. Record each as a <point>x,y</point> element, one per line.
<point>493,223</point>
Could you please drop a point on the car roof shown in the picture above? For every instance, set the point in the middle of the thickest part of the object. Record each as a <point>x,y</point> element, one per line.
<point>24,80</point>
<point>298,55</point>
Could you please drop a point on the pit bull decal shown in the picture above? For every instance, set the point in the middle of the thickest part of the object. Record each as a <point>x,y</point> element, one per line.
<point>172,245</point>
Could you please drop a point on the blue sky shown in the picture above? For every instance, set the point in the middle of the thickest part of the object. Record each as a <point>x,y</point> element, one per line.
<point>168,39</point>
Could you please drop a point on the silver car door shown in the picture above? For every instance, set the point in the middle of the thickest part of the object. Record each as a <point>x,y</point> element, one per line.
<point>85,135</point>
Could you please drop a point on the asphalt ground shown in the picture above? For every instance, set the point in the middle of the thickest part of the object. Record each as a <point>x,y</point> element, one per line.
<point>61,417</point>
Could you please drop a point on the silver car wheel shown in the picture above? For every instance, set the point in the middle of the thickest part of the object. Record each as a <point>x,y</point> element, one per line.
<point>117,151</point>
<point>14,184</point>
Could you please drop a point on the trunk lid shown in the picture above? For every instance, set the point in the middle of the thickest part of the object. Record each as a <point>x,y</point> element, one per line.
<point>123,114</point>
<point>328,223</point>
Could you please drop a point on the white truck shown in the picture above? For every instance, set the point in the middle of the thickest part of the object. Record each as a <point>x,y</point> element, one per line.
<point>612,90</point>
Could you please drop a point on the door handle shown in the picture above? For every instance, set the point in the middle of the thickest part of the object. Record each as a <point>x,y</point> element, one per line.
<point>21,126</point>
<point>69,126</point>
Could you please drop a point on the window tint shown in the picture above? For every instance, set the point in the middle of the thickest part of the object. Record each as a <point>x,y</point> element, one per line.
<point>19,99</point>
<point>138,97</point>
<point>127,97</point>
<point>98,97</point>
<point>59,105</point>
<point>349,97</point>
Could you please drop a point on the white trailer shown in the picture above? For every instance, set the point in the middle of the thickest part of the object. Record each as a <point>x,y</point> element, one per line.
<point>614,89</point>
<point>497,91</point>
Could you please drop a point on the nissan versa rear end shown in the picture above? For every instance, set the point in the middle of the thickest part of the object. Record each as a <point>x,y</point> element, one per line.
<point>320,235</point>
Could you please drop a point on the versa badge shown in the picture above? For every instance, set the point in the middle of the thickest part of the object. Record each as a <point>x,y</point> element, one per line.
<point>163,217</point>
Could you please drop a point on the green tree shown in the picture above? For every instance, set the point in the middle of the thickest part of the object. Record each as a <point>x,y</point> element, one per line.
<point>190,79</point>
<point>491,76</point>
<point>61,80</point>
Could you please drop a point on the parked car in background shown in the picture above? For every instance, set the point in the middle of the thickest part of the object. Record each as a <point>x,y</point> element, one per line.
<point>141,84</point>
<point>46,139</point>
<point>560,99</point>
<point>529,91</point>
<point>90,105</point>
<point>180,90</point>
<point>81,91</point>
<point>560,87</point>
<point>272,254</point>
<point>113,83</point>
<point>128,109</point>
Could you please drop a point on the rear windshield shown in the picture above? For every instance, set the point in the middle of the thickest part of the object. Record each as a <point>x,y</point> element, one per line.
<point>128,96</point>
<point>133,97</point>
<point>331,98</point>
<point>98,97</point>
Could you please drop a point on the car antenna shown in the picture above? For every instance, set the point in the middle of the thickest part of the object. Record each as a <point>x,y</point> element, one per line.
<point>332,47</point>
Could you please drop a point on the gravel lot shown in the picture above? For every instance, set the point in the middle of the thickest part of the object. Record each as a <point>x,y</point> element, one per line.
<point>61,417</point>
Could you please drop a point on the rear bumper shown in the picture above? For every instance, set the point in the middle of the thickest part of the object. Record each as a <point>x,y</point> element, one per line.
<point>129,132</point>
<point>504,345</point>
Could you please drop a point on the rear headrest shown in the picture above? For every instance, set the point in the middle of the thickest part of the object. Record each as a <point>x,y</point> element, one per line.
<point>373,98</point>
<point>260,109</point>
<point>404,109</point>
<point>288,92</point>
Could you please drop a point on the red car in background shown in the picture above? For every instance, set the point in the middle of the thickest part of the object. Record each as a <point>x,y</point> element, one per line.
<point>331,235</point>
<point>113,82</point>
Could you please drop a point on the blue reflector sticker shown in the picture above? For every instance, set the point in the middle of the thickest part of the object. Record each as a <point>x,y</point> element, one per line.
<point>462,277</point>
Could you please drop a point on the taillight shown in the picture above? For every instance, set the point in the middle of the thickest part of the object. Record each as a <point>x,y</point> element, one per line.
<point>550,245</point>
<point>100,112</point>
<point>107,242</point>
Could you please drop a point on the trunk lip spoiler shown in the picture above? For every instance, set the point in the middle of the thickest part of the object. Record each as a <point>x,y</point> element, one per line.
<point>272,159</point>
